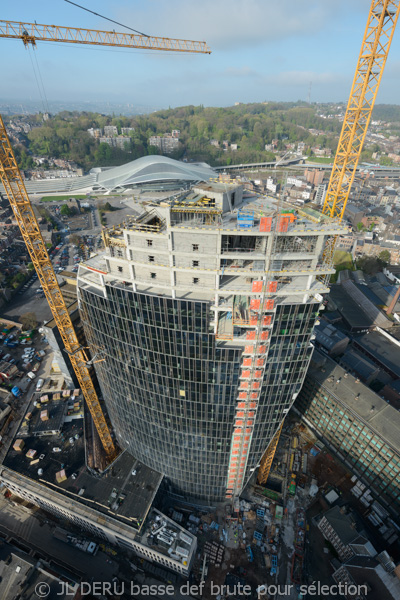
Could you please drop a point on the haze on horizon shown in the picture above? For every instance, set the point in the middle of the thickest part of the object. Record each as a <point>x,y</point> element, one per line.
<point>260,51</point>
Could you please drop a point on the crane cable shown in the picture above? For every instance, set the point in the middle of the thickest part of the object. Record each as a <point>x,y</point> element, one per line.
<point>42,98</point>
<point>41,81</point>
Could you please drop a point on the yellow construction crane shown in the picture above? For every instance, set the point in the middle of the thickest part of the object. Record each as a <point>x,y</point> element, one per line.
<point>30,33</point>
<point>14,186</point>
<point>375,47</point>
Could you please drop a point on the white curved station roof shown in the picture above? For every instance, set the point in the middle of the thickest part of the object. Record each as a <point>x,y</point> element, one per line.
<point>154,169</point>
<point>143,171</point>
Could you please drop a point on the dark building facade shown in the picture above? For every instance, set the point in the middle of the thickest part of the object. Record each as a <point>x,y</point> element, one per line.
<point>358,425</point>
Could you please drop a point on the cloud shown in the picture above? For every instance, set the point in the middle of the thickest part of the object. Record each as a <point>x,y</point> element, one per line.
<point>227,24</point>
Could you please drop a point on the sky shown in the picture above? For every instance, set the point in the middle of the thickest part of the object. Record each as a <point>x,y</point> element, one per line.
<point>262,50</point>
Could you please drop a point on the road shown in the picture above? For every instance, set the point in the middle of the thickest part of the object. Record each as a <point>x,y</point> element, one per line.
<point>27,302</point>
<point>30,301</point>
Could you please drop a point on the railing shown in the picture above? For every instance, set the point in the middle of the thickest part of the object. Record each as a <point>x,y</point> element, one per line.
<point>145,227</point>
<point>228,250</point>
<point>224,336</point>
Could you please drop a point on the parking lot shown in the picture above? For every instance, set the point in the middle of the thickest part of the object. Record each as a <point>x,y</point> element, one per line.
<point>24,368</point>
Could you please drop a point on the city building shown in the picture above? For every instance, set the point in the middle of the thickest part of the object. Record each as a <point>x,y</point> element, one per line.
<point>203,308</point>
<point>110,130</point>
<point>49,465</point>
<point>389,196</point>
<point>167,143</point>
<point>382,349</point>
<point>339,528</point>
<point>344,242</point>
<point>61,364</point>
<point>120,141</point>
<point>320,194</point>
<point>96,133</point>
<point>22,576</point>
<point>314,176</point>
<point>330,338</point>
<point>355,423</point>
<point>272,185</point>
<point>354,214</point>
<point>374,578</point>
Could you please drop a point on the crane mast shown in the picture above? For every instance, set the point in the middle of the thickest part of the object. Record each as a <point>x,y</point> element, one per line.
<point>10,177</point>
<point>12,181</point>
<point>375,48</point>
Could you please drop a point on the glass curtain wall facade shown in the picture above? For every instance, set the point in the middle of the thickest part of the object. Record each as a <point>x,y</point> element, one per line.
<point>171,391</point>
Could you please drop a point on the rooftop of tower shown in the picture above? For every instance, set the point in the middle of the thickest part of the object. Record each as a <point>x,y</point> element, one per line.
<point>214,209</point>
<point>49,448</point>
<point>223,206</point>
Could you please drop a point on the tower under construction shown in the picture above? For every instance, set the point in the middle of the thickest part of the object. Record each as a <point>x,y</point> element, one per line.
<point>201,310</point>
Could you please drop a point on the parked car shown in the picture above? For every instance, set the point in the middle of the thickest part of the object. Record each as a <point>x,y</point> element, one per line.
<point>39,384</point>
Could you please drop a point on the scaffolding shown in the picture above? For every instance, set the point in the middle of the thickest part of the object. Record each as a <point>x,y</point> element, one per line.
<point>258,313</point>
<point>294,243</point>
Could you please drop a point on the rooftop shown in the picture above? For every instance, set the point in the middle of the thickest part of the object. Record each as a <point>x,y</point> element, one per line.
<point>125,492</point>
<point>169,538</point>
<point>328,336</point>
<point>194,208</point>
<point>367,571</point>
<point>350,310</point>
<point>382,348</point>
<point>357,398</point>
<point>14,569</point>
<point>359,364</point>
<point>342,523</point>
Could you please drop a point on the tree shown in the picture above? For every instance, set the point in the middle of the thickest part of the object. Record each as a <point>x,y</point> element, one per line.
<point>30,267</point>
<point>369,265</point>
<point>28,320</point>
<point>360,226</point>
<point>384,256</point>
<point>75,239</point>
<point>65,210</point>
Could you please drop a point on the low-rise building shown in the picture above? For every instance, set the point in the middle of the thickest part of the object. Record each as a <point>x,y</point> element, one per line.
<point>369,577</point>
<point>330,338</point>
<point>46,465</point>
<point>356,424</point>
<point>339,528</point>
<point>22,576</point>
